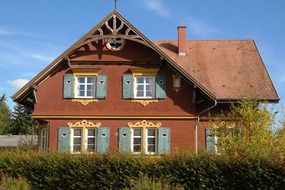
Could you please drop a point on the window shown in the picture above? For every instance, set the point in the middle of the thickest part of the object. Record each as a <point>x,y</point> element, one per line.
<point>77,140</point>
<point>144,140</point>
<point>43,145</point>
<point>151,140</point>
<point>144,87</point>
<point>115,44</point>
<point>137,140</point>
<point>147,140</point>
<point>91,140</point>
<point>85,87</point>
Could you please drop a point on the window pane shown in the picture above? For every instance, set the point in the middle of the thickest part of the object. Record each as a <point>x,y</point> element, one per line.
<point>91,148</point>
<point>81,79</point>
<point>81,87</point>
<point>140,80</point>
<point>151,141</point>
<point>76,148</point>
<point>151,148</point>
<point>148,87</point>
<point>89,93</point>
<point>139,93</point>
<point>77,141</point>
<point>137,141</point>
<point>91,132</point>
<point>151,132</point>
<point>77,132</point>
<point>139,87</point>
<point>137,132</point>
<point>91,141</point>
<point>137,148</point>
<point>149,93</point>
<point>90,87</point>
<point>90,79</point>
<point>149,80</point>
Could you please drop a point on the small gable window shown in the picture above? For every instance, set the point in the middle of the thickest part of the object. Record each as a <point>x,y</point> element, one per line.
<point>115,44</point>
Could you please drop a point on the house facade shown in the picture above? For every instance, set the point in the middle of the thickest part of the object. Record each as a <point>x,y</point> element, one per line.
<point>116,90</point>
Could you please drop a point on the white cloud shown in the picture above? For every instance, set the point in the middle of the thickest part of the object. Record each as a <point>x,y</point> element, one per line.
<point>157,6</point>
<point>17,83</point>
<point>200,28</point>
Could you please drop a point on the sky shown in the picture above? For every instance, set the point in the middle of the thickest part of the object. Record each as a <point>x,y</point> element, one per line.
<point>34,32</point>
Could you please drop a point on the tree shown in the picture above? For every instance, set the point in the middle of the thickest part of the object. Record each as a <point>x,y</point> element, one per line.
<point>21,122</point>
<point>256,138</point>
<point>4,115</point>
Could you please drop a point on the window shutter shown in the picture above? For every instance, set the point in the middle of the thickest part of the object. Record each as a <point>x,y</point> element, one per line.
<point>124,139</point>
<point>101,87</point>
<point>128,86</point>
<point>68,86</point>
<point>160,86</point>
<point>103,140</point>
<point>163,141</point>
<point>64,139</point>
<point>210,140</point>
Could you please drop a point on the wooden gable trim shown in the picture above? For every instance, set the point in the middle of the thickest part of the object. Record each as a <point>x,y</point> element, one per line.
<point>88,37</point>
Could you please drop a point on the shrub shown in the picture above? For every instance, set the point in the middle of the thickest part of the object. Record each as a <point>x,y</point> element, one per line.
<point>69,171</point>
<point>9,183</point>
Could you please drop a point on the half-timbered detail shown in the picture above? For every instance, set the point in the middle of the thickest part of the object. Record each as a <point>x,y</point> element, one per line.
<point>115,90</point>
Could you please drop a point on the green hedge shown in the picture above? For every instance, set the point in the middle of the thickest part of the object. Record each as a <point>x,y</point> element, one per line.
<point>66,171</point>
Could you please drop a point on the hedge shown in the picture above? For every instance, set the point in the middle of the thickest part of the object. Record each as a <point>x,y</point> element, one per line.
<point>67,171</point>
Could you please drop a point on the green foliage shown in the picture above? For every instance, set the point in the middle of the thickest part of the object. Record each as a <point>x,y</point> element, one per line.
<point>4,115</point>
<point>9,183</point>
<point>257,137</point>
<point>69,171</point>
<point>21,122</point>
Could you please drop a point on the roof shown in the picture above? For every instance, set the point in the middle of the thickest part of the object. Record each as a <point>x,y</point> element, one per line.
<point>222,69</point>
<point>229,69</point>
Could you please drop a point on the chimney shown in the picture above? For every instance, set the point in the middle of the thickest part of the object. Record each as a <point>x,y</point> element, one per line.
<point>182,40</point>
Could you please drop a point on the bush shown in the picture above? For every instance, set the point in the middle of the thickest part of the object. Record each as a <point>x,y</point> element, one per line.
<point>68,171</point>
<point>9,183</point>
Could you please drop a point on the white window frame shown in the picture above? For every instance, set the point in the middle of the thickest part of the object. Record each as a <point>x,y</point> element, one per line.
<point>132,140</point>
<point>72,140</point>
<point>77,86</point>
<point>44,139</point>
<point>86,140</point>
<point>153,137</point>
<point>144,87</point>
<point>144,140</point>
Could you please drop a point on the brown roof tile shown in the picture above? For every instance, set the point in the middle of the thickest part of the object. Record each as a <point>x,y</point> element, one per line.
<point>229,69</point>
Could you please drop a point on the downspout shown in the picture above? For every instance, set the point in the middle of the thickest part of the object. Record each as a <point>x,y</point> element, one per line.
<point>197,125</point>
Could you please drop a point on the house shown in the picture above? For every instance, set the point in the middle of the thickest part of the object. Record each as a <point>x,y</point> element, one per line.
<point>116,90</point>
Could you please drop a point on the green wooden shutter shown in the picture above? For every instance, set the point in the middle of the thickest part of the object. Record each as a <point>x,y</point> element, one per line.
<point>68,86</point>
<point>63,139</point>
<point>160,87</point>
<point>103,136</point>
<point>163,140</point>
<point>101,86</point>
<point>125,139</point>
<point>128,86</point>
<point>210,140</point>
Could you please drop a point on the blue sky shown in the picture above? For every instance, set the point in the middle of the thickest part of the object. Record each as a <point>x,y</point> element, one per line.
<point>34,32</point>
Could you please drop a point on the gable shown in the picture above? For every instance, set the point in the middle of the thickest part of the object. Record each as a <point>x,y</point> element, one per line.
<point>204,66</point>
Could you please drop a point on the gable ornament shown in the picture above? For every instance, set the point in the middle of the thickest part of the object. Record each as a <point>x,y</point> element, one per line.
<point>144,124</point>
<point>84,123</point>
